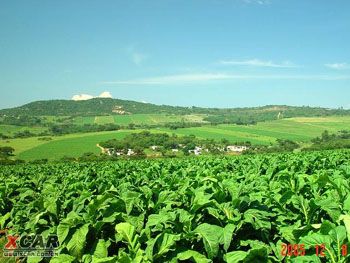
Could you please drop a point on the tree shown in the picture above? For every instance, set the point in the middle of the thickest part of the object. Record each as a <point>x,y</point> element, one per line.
<point>6,152</point>
<point>287,144</point>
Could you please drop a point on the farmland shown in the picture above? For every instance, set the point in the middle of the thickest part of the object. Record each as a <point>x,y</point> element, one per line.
<point>138,119</point>
<point>213,209</point>
<point>74,145</point>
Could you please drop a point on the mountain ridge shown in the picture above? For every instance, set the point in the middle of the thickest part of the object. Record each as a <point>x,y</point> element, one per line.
<point>111,106</point>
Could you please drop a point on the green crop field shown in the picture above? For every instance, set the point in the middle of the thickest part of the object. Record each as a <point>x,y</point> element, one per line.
<point>138,119</point>
<point>84,120</point>
<point>248,209</point>
<point>104,119</point>
<point>155,118</point>
<point>297,129</point>
<point>71,146</point>
<point>12,129</point>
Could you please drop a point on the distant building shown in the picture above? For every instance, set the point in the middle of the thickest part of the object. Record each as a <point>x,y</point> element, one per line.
<point>109,151</point>
<point>154,147</point>
<point>236,148</point>
<point>197,150</point>
<point>174,150</point>
<point>112,151</point>
<point>130,152</point>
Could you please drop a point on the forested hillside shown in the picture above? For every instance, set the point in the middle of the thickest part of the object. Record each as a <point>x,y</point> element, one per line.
<point>108,106</point>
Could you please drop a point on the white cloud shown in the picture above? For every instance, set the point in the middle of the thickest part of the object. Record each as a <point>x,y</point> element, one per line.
<point>181,78</point>
<point>104,94</point>
<point>338,66</point>
<point>258,63</point>
<point>204,77</point>
<point>82,97</point>
<point>136,56</point>
<point>260,2</point>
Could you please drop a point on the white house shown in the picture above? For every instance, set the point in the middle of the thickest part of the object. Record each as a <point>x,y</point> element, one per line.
<point>174,150</point>
<point>197,150</point>
<point>109,151</point>
<point>154,147</point>
<point>130,152</point>
<point>236,148</point>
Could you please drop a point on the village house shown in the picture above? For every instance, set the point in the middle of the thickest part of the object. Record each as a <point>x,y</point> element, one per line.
<point>109,151</point>
<point>130,152</point>
<point>112,151</point>
<point>236,148</point>
<point>154,147</point>
<point>197,150</point>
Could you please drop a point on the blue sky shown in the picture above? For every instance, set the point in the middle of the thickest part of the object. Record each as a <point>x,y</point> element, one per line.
<point>216,53</point>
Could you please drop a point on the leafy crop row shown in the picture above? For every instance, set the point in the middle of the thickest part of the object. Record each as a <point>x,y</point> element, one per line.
<point>181,210</point>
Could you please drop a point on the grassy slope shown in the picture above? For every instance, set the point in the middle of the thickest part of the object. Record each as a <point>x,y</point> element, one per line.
<point>139,119</point>
<point>298,129</point>
<point>72,147</point>
<point>12,129</point>
<point>155,118</point>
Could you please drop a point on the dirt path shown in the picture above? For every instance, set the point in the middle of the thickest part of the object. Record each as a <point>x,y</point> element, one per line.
<point>103,150</point>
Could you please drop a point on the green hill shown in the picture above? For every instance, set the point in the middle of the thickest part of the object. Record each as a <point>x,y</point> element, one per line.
<point>109,106</point>
<point>92,107</point>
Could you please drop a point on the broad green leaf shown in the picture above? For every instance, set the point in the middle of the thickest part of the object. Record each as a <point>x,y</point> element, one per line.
<point>276,248</point>
<point>200,199</point>
<point>127,231</point>
<point>51,205</point>
<point>161,218</point>
<point>306,259</point>
<point>346,220</point>
<point>227,235</point>
<point>63,231</point>
<point>76,244</point>
<point>62,258</point>
<point>165,242</point>
<point>330,206</point>
<point>326,227</point>
<point>66,224</point>
<point>101,250</point>
<point>338,235</point>
<point>87,258</point>
<point>257,255</point>
<point>3,220</point>
<point>34,259</point>
<point>212,236</point>
<point>193,255</point>
<point>104,260</point>
<point>235,256</point>
<point>315,239</point>
<point>258,218</point>
<point>254,244</point>
<point>347,204</point>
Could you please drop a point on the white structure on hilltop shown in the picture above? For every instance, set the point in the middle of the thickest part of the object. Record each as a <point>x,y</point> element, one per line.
<point>237,148</point>
<point>105,94</point>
